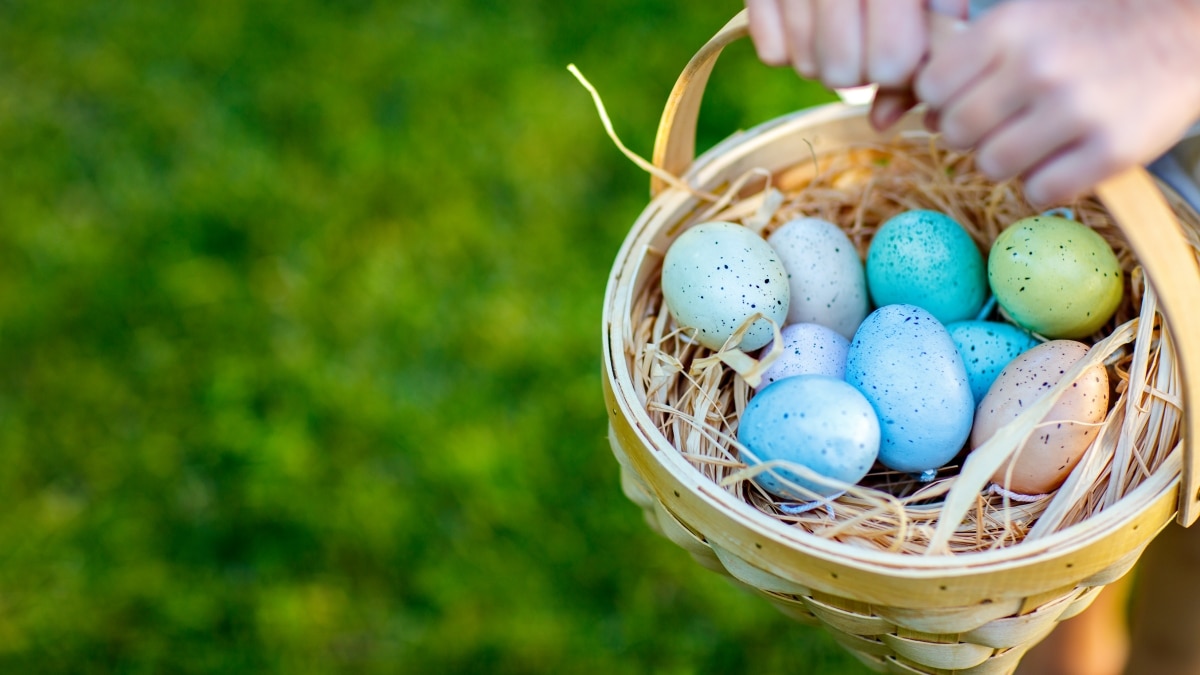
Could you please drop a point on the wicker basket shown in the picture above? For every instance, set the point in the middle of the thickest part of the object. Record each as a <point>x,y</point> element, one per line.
<point>969,613</point>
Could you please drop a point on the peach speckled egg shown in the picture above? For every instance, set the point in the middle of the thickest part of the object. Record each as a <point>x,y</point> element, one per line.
<point>1043,463</point>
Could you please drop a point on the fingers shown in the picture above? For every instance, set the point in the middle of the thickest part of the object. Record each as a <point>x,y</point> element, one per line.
<point>980,108</point>
<point>839,42</point>
<point>767,31</point>
<point>958,60</point>
<point>1026,141</point>
<point>895,41</point>
<point>1071,172</point>
<point>798,27</point>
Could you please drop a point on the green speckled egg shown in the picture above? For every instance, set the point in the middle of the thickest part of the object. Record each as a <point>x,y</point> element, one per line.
<point>925,258</point>
<point>1055,276</point>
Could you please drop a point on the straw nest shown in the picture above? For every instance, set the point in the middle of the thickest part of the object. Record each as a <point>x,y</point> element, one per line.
<point>696,397</point>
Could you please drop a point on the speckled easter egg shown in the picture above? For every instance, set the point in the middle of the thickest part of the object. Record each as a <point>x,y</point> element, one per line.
<point>1055,276</point>
<point>815,421</point>
<point>716,276</point>
<point>925,258</point>
<point>986,347</point>
<point>1046,459</point>
<point>904,361</point>
<point>826,276</point>
<point>808,349</point>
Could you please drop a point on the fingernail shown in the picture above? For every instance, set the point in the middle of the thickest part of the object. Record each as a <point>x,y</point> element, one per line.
<point>933,120</point>
<point>1035,194</point>
<point>806,69</point>
<point>771,52</point>
<point>888,108</point>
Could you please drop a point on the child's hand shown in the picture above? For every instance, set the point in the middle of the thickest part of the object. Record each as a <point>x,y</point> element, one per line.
<point>1067,92</point>
<point>847,43</point>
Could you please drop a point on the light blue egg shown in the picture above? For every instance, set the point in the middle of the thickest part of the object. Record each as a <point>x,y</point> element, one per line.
<point>816,421</point>
<point>905,363</point>
<point>925,258</point>
<point>808,349</point>
<point>986,347</point>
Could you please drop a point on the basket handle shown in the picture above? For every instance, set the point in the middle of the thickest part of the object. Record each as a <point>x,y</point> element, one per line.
<point>1132,197</point>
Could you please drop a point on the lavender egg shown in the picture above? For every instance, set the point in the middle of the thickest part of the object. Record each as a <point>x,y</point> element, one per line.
<point>808,349</point>
<point>826,276</point>
<point>905,363</point>
<point>716,276</point>
<point>815,421</point>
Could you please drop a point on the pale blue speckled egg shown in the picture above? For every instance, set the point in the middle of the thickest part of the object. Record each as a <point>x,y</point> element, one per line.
<point>716,276</point>
<point>826,276</point>
<point>815,421</point>
<point>986,348</point>
<point>925,258</point>
<point>808,349</point>
<point>905,363</point>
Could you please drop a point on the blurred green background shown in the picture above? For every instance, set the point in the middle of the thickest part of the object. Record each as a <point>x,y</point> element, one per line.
<point>300,332</point>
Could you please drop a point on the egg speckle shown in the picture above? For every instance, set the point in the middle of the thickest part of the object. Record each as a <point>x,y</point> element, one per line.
<point>1055,276</point>
<point>716,276</point>
<point>925,258</point>
<point>815,421</point>
<point>1046,459</point>
<point>986,347</point>
<point>826,276</point>
<point>808,349</point>
<point>905,363</point>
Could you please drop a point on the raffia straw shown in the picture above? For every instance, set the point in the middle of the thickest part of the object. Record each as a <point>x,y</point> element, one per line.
<point>665,176</point>
<point>696,397</point>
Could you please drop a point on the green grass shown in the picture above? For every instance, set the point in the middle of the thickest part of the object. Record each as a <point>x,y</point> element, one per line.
<point>299,341</point>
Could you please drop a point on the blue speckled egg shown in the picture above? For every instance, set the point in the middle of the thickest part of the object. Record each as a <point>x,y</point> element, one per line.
<point>815,421</point>
<point>716,276</point>
<point>904,361</point>
<point>925,258</point>
<point>808,349</point>
<point>826,276</point>
<point>986,347</point>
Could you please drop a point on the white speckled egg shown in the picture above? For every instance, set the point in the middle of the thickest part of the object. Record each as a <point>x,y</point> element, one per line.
<point>904,361</point>
<point>1057,445</point>
<point>826,276</point>
<point>716,276</point>
<point>808,349</point>
<point>986,347</point>
<point>819,422</point>
<point>926,258</point>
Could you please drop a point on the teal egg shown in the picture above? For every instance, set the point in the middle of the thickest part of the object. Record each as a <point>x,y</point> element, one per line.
<point>986,348</point>
<point>925,258</point>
